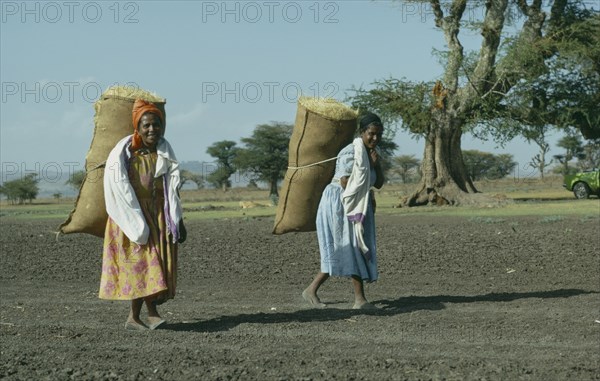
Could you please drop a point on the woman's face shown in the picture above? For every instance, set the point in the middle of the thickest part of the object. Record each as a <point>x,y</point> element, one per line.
<point>150,129</point>
<point>372,136</point>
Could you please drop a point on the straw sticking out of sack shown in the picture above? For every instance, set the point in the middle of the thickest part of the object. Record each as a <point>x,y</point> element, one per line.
<point>125,92</point>
<point>328,108</point>
<point>132,93</point>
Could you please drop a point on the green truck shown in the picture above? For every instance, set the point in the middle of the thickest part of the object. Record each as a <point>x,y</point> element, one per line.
<point>583,184</point>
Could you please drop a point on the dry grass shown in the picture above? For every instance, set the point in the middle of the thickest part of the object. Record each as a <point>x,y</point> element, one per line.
<point>522,189</point>
<point>533,197</point>
<point>126,92</point>
<point>131,92</point>
<point>328,108</point>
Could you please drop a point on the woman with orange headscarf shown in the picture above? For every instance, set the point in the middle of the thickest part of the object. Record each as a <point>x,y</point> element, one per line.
<point>145,224</point>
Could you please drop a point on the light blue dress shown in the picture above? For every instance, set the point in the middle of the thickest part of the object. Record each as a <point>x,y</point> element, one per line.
<point>340,255</point>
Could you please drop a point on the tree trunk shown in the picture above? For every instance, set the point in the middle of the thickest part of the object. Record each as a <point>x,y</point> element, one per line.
<point>445,180</point>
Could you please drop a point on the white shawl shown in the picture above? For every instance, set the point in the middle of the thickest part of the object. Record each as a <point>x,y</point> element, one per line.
<point>121,203</point>
<point>356,195</point>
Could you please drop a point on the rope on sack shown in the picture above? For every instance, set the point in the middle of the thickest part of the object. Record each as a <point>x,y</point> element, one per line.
<point>313,164</point>
<point>101,165</point>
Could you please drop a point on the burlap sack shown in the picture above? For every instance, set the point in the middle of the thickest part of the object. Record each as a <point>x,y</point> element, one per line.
<point>322,128</point>
<point>112,123</point>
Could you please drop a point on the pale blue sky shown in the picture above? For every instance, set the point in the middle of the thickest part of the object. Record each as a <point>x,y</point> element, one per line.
<point>223,67</point>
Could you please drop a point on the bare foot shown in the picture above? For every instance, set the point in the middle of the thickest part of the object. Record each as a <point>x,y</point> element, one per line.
<point>132,325</point>
<point>313,299</point>
<point>155,321</point>
<point>364,306</point>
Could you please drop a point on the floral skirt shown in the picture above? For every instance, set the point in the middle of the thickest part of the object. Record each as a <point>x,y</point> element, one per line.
<point>131,271</point>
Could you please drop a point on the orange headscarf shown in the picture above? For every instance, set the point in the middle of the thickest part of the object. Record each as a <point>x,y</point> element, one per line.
<point>140,107</point>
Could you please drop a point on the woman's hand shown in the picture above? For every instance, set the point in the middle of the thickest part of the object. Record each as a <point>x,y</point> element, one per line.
<point>182,232</point>
<point>373,158</point>
<point>344,181</point>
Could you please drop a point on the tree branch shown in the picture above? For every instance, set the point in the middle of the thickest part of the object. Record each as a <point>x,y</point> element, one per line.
<point>437,12</point>
<point>491,31</point>
<point>523,6</point>
<point>451,28</point>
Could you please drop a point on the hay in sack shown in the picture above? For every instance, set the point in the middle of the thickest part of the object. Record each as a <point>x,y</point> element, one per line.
<point>112,123</point>
<point>322,128</point>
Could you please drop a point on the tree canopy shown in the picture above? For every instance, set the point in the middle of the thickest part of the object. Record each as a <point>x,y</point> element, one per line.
<point>530,77</point>
<point>265,154</point>
<point>485,165</point>
<point>224,152</point>
<point>405,166</point>
<point>20,190</point>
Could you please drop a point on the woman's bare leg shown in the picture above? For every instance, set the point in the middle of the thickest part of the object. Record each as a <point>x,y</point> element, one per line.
<point>154,319</point>
<point>310,293</point>
<point>360,302</point>
<point>133,320</point>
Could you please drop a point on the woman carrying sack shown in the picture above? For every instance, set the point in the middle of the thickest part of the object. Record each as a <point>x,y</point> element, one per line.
<point>345,218</point>
<point>145,224</point>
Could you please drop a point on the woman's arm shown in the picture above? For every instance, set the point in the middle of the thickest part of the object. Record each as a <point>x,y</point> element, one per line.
<point>380,180</point>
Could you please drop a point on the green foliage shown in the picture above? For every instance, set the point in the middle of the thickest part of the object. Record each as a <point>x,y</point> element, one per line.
<point>76,180</point>
<point>265,155</point>
<point>225,152</point>
<point>573,149</point>
<point>550,79</point>
<point>406,167</point>
<point>21,190</point>
<point>560,75</point>
<point>587,155</point>
<point>485,165</point>
<point>591,157</point>
<point>397,101</point>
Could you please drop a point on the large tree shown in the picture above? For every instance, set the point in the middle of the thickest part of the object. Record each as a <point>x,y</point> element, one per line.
<point>265,155</point>
<point>224,152</point>
<point>475,89</point>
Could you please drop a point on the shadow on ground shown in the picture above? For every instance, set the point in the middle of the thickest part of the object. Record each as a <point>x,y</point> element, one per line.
<point>389,307</point>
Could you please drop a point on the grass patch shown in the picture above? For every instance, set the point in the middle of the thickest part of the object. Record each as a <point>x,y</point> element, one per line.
<point>590,218</point>
<point>216,204</point>
<point>551,219</point>
<point>37,210</point>
<point>486,220</point>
